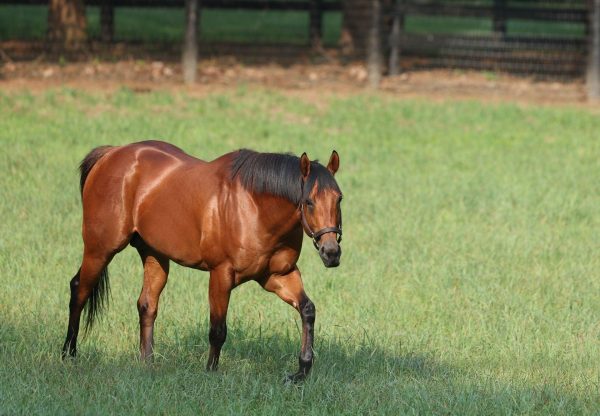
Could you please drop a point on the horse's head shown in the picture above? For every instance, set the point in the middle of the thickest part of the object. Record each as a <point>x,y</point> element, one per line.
<point>320,208</point>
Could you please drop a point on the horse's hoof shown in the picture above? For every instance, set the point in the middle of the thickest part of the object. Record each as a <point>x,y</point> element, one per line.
<point>64,355</point>
<point>295,378</point>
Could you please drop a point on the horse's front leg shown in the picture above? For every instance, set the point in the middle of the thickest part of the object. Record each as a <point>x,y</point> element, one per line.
<point>290,289</point>
<point>219,289</point>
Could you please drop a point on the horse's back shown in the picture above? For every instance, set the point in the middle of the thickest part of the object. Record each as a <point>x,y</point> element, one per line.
<point>131,166</point>
<point>155,150</point>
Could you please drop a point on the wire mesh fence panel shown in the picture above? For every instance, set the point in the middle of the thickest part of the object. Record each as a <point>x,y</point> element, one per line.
<point>532,37</point>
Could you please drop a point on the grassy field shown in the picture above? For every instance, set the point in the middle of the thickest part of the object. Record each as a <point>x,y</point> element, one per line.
<point>166,24</point>
<point>469,281</point>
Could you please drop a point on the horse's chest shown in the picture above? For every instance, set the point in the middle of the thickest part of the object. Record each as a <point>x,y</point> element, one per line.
<point>256,264</point>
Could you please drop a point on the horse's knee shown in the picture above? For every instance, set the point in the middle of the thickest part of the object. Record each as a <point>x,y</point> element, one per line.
<point>217,335</point>
<point>147,311</point>
<point>308,311</point>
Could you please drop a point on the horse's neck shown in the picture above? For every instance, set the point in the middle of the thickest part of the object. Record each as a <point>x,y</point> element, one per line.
<point>278,215</point>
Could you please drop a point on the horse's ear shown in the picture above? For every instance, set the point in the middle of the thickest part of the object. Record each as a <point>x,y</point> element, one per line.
<point>334,162</point>
<point>304,166</point>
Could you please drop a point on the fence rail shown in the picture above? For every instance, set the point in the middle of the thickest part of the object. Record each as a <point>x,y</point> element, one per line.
<point>570,14</point>
<point>211,4</point>
<point>565,14</point>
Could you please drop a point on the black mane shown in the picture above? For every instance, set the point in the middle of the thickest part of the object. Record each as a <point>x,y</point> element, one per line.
<point>279,174</point>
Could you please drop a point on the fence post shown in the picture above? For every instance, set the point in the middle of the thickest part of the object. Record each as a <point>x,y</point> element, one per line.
<point>190,43</point>
<point>107,21</point>
<point>316,23</point>
<point>374,53</point>
<point>593,66</point>
<point>395,37</point>
<point>499,20</point>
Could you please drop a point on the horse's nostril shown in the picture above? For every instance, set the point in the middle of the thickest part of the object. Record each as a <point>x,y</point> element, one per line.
<point>327,251</point>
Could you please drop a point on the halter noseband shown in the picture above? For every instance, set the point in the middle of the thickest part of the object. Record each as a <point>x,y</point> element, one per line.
<point>316,235</point>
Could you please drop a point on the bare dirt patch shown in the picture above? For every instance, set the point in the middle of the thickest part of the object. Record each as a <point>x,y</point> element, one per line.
<point>308,79</point>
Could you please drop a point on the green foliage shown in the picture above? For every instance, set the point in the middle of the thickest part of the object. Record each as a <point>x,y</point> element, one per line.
<point>469,280</point>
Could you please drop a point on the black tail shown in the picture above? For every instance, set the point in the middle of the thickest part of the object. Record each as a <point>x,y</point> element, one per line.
<point>89,161</point>
<point>98,300</point>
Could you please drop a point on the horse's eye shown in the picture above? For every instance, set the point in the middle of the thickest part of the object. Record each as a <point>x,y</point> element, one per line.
<point>310,203</point>
<point>340,199</point>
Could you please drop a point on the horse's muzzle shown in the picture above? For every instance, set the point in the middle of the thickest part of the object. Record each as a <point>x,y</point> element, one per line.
<point>330,252</point>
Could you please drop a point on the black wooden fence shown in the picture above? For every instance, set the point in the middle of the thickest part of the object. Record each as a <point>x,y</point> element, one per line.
<point>394,43</point>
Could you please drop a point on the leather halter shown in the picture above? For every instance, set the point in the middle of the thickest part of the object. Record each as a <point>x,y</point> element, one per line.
<point>316,235</point>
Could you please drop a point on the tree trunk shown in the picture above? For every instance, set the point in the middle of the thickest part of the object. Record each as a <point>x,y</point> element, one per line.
<point>67,26</point>
<point>189,57</point>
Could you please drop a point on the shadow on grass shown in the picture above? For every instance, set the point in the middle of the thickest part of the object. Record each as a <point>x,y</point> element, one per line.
<point>264,353</point>
<point>343,360</point>
<point>349,374</point>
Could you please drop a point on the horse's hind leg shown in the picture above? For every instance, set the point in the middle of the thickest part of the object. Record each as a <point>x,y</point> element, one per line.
<point>156,271</point>
<point>82,285</point>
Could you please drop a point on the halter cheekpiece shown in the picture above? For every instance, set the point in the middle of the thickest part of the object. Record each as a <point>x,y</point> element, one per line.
<point>316,235</point>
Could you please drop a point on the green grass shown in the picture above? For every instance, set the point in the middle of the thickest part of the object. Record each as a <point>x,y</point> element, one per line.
<point>166,25</point>
<point>469,281</point>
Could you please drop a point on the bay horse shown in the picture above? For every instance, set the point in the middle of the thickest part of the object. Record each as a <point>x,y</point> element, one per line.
<point>241,217</point>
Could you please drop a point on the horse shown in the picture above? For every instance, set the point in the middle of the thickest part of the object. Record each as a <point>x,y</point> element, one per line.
<point>240,217</point>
